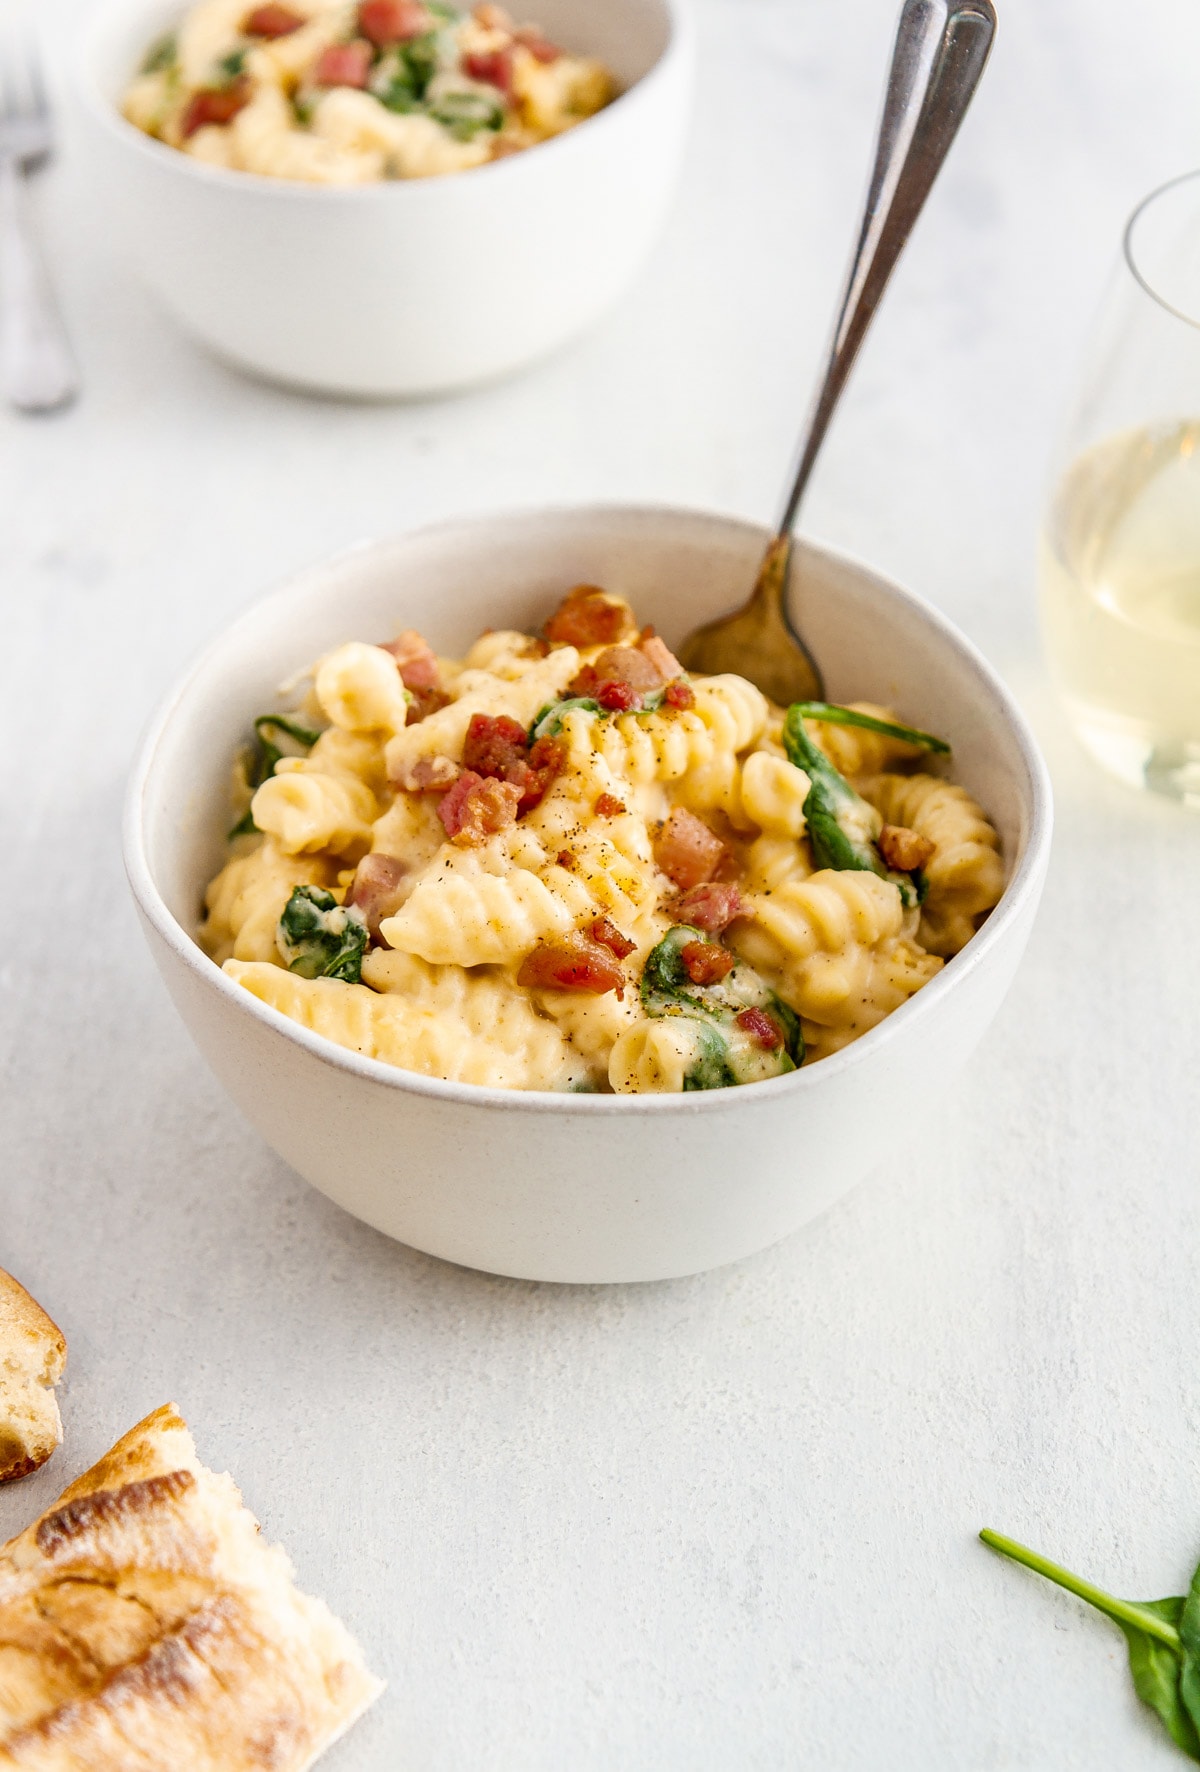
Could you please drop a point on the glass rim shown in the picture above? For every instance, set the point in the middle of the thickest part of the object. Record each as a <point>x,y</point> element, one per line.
<point>1135,270</point>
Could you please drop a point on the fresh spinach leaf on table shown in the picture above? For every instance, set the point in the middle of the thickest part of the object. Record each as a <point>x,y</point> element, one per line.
<point>1163,1638</point>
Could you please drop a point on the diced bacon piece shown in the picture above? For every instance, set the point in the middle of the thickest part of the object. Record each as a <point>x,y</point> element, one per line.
<point>546,759</point>
<point>608,806</point>
<point>415,660</point>
<point>427,775</point>
<point>711,907</point>
<point>214,104</point>
<point>497,745</point>
<point>658,654</point>
<point>626,665</point>
<point>687,851</point>
<point>679,695</point>
<point>587,616</point>
<point>475,808</point>
<point>539,47</point>
<point>575,963</point>
<point>618,698</point>
<point>271,21</point>
<point>344,64</point>
<point>425,702</point>
<point>375,888</point>
<point>903,849</point>
<point>392,21</point>
<point>494,67</point>
<point>566,858</point>
<point>705,962</point>
<point>761,1027</point>
<point>609,936</point>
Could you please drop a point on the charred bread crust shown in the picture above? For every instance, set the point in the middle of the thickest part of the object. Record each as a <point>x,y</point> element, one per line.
<point>146,1623</point>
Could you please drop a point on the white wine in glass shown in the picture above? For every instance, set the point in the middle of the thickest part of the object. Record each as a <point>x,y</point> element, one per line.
<point>1120,550</point>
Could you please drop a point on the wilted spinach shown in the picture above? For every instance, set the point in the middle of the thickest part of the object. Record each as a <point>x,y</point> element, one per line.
<point>842,826</point>
<point>725,1052</point>
<point>266,753</point>
<point>319,938</point>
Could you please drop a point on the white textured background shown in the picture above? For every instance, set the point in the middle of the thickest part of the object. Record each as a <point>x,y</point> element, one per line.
<point>725,1522</point>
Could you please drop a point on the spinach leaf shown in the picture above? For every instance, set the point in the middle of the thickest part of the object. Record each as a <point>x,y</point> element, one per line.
<point>711,1067</point>
<point>726,1053</point>
<point>160,55</point>
<point>403,73</point>
<point>842,826</point>
<point>547,722</point>
<point>319,938</point>
<point>834,715</point>
<point>464,114</point>
<point>1189,1634</point>
<point>1163,1638</point>
<point>422,58</point>
<point>267,752</point>
<point>394,87</point>
<point>232,66</point>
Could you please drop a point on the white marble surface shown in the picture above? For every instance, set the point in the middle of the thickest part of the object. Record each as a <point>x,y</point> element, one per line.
<point>725,1522</point>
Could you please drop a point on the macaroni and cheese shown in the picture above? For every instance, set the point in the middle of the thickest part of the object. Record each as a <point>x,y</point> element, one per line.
<point>343,94</point>
<point>561,863</point>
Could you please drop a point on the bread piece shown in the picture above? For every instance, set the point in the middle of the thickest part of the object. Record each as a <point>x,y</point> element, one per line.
<point>145,1625</point>
<point>33,1352</point>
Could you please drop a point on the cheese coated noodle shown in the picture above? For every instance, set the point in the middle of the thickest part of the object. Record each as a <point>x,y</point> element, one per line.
<point>561,863</point>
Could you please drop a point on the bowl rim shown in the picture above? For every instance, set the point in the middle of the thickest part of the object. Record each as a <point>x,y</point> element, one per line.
<point>677,53</point>
<point>1023,885</point>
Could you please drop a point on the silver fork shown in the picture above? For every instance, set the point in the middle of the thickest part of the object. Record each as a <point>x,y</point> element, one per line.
<point>37,369</point>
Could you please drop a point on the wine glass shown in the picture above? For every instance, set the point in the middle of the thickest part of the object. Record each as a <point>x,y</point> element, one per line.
<point>1120,551</point>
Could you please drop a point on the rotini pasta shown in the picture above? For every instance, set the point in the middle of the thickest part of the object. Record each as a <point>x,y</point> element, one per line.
<point>560,863</point>
<point>965,872</point>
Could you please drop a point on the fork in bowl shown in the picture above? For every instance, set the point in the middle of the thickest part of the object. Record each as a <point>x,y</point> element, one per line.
<point>37,369</point>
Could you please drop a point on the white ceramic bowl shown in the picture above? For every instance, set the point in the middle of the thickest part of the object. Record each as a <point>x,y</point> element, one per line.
<point>578,1187</point>
<point>407,287</point>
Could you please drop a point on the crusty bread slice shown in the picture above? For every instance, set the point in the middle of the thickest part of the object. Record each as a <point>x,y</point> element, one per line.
<point>33,1352</point>
<point>145,1625</point>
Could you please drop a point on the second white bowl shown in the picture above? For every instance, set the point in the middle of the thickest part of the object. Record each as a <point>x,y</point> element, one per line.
<point>579,1187</point>
<point>408,287</point>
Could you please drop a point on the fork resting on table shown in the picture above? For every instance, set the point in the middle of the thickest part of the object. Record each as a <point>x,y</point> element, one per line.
<point>37,369</point>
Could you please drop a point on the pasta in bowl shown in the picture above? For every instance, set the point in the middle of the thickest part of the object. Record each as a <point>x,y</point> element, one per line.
<point>528,1140</point>
<point>331,93</point>
<point>297,221</point>
<point>560,863</point>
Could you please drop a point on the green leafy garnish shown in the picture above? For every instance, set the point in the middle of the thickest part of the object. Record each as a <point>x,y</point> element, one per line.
<point>403,72</point>
<point>267,752</point>
<point>832,715</point>
<point>160,55</point>
<point>464,114</point>
<point>547,722</point>
<point>724,1052</point>
<point>232,66</point>
<point>319,938</point>
<point>1163,1638</point>
<point>842,826</point>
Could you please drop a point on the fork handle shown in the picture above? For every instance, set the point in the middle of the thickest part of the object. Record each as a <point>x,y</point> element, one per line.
<point>941,47</point>
<point>37,369</point>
